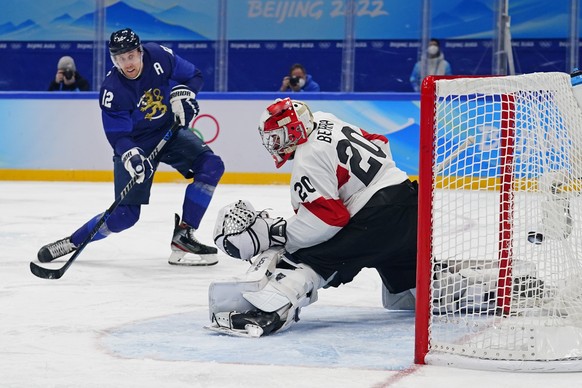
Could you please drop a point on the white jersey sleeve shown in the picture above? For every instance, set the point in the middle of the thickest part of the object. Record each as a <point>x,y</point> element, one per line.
<point>335,173</point>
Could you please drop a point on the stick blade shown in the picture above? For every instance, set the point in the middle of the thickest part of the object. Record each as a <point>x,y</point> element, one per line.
<point>45,273</point>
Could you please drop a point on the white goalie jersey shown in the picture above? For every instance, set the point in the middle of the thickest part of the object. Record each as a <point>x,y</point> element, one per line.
<point>335,173</point>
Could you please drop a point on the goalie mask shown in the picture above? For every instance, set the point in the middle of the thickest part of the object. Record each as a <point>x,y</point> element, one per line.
<point>283,126</point>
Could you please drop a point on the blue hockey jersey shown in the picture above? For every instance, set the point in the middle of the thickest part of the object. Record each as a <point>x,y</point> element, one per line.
<point>137,113</point>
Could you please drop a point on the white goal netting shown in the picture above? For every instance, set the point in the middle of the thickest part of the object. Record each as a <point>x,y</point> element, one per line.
<point>505,223</point>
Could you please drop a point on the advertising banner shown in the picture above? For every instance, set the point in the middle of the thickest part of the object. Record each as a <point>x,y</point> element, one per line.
<point>66,134</point>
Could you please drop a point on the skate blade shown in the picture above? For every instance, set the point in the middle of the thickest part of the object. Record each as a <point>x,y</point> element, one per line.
<point>192,260</point>
<point>251,331</point>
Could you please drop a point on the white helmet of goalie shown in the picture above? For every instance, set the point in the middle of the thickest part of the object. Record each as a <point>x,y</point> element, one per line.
<point>283,126</point>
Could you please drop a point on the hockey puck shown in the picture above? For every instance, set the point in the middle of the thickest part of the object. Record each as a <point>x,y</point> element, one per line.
<point>535,238</point>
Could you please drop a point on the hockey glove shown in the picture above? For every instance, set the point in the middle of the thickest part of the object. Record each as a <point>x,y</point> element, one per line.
<point>137,166</point>
<point>243,233</point>
<point>184,104</point>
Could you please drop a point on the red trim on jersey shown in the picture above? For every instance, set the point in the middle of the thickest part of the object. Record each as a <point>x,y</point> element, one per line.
<point>373,136</point>
<point>331,211</point>
<point>343,176</point>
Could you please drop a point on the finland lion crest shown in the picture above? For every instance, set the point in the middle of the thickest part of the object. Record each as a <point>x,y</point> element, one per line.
<point>151,102</point>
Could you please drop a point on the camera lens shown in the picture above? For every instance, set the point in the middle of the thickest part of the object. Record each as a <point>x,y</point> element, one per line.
<point>293,81</point>
<point>68,74</point>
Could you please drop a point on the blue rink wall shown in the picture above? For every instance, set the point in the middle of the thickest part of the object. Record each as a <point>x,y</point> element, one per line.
<point>59,136</point>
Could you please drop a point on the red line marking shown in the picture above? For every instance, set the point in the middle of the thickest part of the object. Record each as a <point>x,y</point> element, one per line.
<point>396,377</point>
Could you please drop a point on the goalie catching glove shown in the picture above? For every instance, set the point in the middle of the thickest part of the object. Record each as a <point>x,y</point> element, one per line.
<point>184,104</point>
<point>243,233</point>
<point>137,165</point>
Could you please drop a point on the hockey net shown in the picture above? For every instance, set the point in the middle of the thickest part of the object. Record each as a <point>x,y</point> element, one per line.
<point>500,231</point>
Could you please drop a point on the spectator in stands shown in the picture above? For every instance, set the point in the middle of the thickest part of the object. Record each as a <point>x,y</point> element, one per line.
<point>436,64</point>
<point>298,80</point>
<point>68,78</point>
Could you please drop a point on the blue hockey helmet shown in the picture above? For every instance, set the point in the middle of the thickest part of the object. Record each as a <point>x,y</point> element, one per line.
<point>123,41</point>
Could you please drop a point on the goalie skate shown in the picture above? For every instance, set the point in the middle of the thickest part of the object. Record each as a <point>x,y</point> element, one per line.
<point>237,333</point>
<point>187,250</point>
<point>252,324</point>
<point>250,331</point>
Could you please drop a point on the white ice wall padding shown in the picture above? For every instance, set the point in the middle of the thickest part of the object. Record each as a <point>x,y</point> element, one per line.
<point>542,325</point>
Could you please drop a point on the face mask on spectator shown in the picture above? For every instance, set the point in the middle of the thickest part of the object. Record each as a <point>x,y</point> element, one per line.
<point>432,50</point>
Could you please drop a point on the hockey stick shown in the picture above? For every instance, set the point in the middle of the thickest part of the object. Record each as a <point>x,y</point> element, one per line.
<point>47,273</point>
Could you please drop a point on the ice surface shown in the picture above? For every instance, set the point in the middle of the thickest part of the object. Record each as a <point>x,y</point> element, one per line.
<point>122,317</point>
<point>327,336</point>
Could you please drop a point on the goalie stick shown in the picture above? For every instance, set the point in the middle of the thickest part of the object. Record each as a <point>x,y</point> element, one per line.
<point>47,273</point>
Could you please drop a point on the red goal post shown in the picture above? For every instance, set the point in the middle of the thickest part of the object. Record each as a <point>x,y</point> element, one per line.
<point>499,281</point>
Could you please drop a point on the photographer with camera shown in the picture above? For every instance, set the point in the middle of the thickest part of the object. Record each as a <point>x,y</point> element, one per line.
<point>298,80</point>
<point>68,78</point>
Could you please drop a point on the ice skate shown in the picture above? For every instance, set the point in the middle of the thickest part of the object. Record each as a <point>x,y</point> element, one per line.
<point>187,250</point>
<point>252,324</point>
<point>55,250</point>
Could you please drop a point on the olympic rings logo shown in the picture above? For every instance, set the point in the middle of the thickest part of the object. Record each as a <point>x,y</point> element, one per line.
<point>206,127</point>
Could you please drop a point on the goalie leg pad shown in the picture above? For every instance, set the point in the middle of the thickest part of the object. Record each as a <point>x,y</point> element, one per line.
<point>286,293</point>
<point>556,220</point>
<point>405,300</point>
<point>226,295</point>
<point>471,285</point>
<point>287,286</point>
<point>266,298</point>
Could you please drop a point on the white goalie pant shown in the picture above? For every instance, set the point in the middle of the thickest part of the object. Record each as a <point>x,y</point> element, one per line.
<point>267,288</point>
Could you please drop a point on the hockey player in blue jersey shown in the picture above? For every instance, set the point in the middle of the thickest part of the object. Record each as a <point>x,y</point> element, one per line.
<point>148,89</point>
